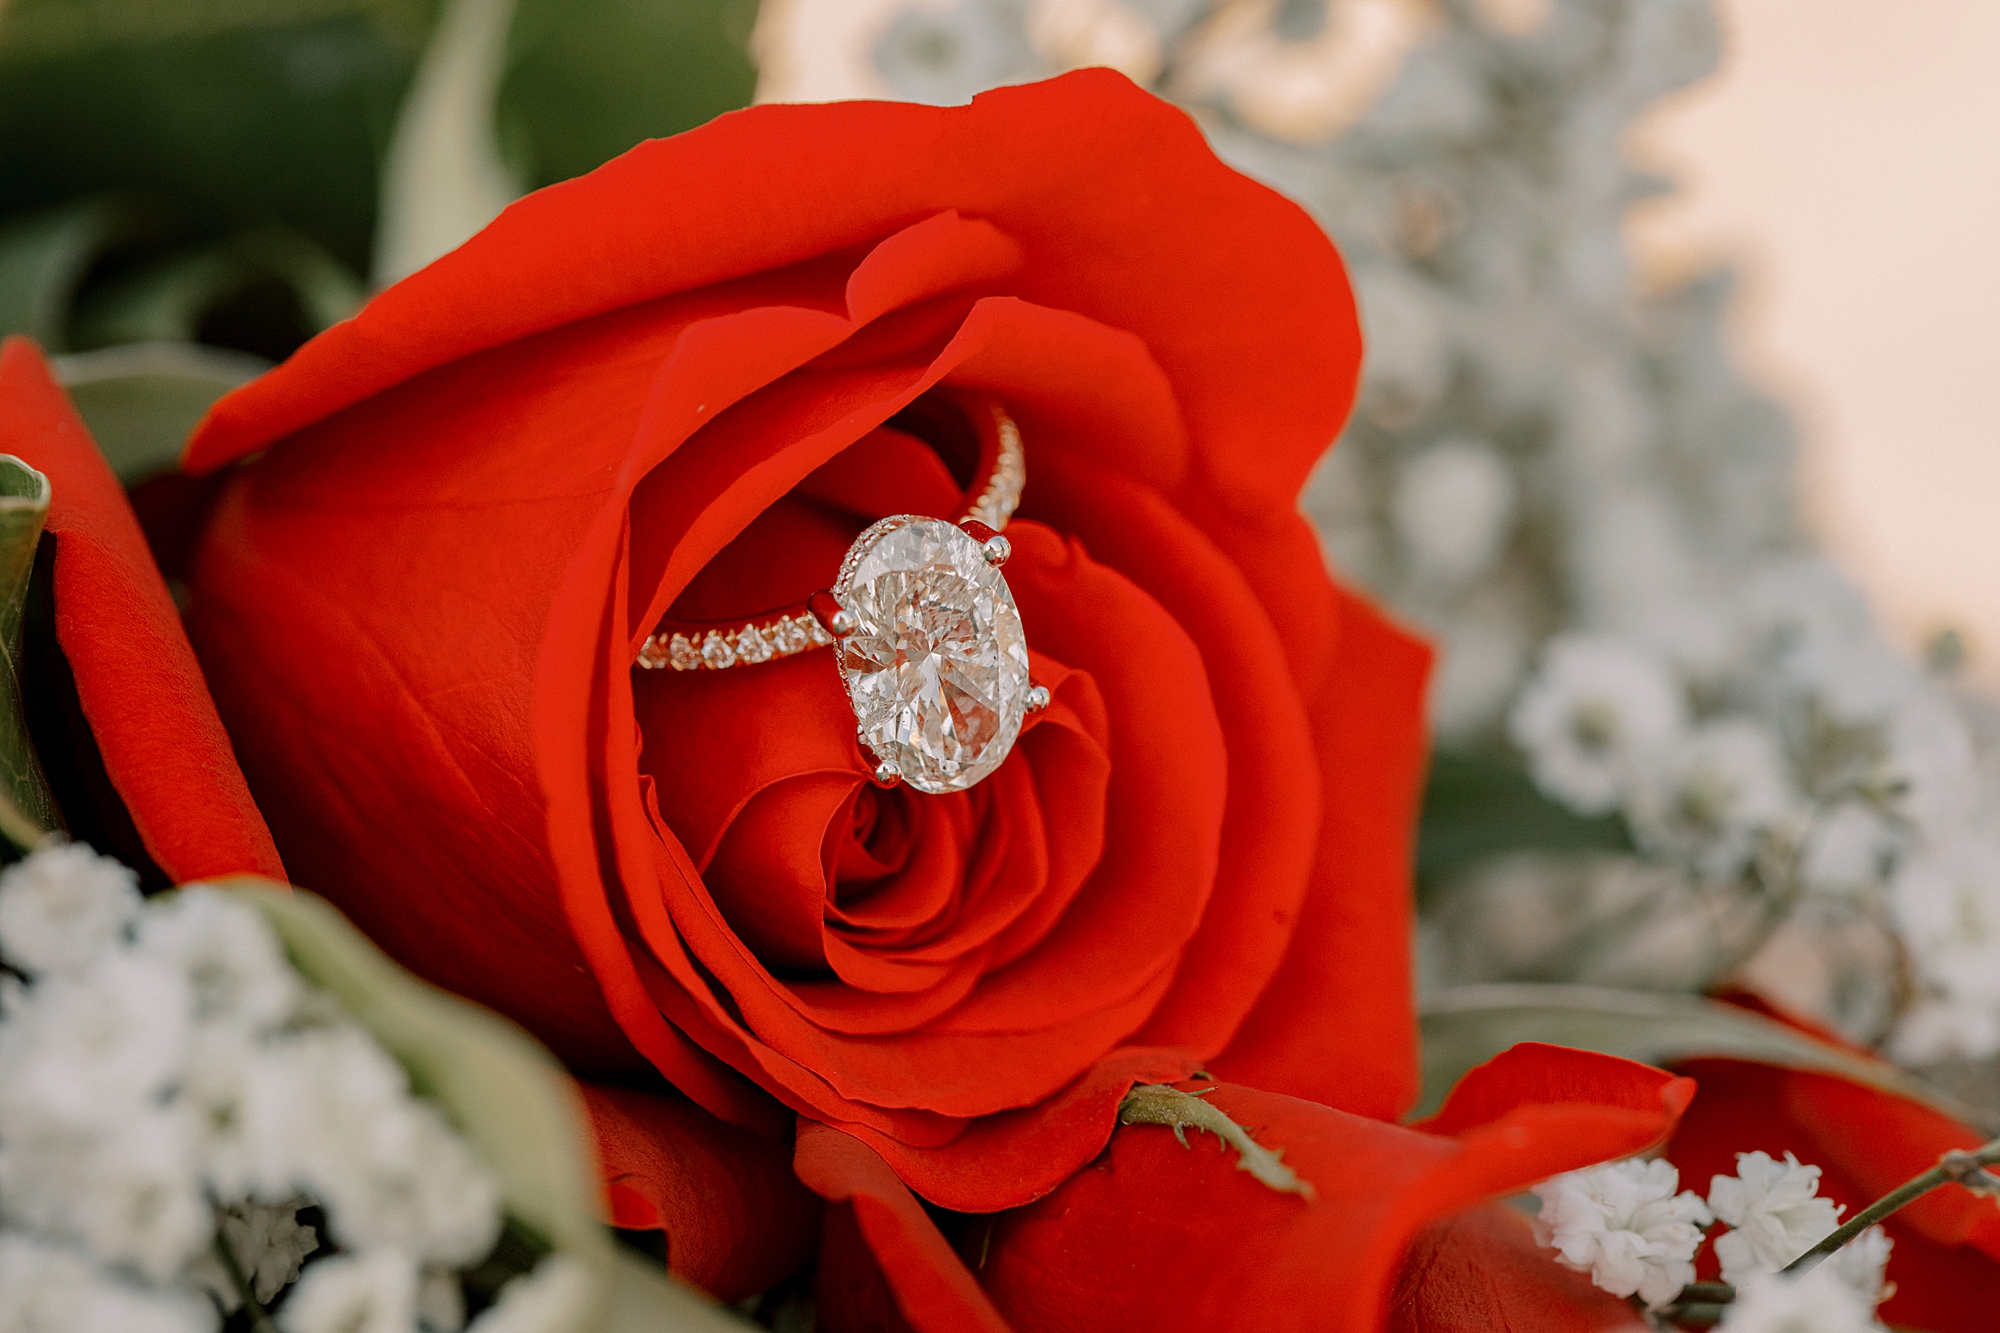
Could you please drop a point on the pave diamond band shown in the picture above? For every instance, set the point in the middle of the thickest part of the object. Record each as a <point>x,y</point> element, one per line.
<point>927,639</point>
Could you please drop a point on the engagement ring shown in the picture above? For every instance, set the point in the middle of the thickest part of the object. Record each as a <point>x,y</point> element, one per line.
<point>924,629</point>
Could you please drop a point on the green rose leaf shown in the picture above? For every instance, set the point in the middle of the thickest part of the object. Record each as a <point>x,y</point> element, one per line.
<point>1468,1025</point>
<point>1479,805</point>
<point>141,400</point>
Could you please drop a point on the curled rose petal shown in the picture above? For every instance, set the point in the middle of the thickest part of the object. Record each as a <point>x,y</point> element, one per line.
<point>118,706</point>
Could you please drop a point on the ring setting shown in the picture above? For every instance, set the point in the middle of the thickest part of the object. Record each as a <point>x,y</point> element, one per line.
<point>926,635</point>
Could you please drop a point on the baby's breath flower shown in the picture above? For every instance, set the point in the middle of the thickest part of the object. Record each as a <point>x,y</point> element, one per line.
<point>1774,1213</point>
<point>1816,1302</point>
<point>1624,1224</point>
<point>1705,800</point>
<point>541,1302</point>
<point>1863,1264</point>
<point>44,1288</point>
<point>388,1168</point>
<point>235,969</point>
<point>1596,705</point>
<point>62,906</point>
<point>91,1046</point>
<point>374,1292</point>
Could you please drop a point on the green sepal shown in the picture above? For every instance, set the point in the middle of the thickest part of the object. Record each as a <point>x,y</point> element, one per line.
<point>29,811</point>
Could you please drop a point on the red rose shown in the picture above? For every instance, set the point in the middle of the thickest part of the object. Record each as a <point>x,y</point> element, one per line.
<point>117,707</point>
<point>676,384</point>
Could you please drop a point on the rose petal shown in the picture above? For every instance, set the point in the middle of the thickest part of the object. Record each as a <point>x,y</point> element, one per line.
<point>736,1219</point>
<point>1154,1233</point>
<point>1337,1021</point>
<point>143,696</point>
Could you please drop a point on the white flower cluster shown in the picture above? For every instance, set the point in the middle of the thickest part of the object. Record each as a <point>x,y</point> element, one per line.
<point>1630,1227</point>
<point>172,1093</point>
<point>1544,461</point>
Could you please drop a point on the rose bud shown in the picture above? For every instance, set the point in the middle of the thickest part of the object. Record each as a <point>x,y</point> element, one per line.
<point>1383,1226</point>
<point>478,593</point>
<point>136,759</point>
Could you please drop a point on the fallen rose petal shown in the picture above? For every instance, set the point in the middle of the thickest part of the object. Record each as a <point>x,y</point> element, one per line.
<point>734,1218</point>
<point>142,767</point>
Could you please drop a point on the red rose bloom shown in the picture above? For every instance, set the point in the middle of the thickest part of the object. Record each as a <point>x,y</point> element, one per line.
<point>116,704</point>
<point>681,385</point>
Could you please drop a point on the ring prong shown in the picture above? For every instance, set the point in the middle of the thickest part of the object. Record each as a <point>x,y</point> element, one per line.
<point>836,619</point>
<point>996,549</point>
<point>887,774</point>
<point>1039,698</point>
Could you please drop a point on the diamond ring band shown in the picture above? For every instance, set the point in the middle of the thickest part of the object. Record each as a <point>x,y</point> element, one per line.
<point>927,639</point>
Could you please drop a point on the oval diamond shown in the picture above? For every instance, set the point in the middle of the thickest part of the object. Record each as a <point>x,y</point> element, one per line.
<point>937,668</point>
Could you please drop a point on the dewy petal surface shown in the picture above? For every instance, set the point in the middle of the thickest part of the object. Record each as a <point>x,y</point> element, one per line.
<point>938,670</point>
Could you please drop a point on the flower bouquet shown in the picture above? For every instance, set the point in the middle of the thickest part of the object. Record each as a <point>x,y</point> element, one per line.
<point>812,621</point>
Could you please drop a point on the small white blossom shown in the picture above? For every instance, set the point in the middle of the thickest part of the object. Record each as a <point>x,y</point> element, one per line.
<point>1596,705</point>
<point>241,1105</point>
<point>44,1289</point>
<point>1945,899</point>
<point>136,1204</point>
<point>90,1047</point>
<point>1624,1224</point>
<point>544,1301</point>
<point>235,969</point>
<point>1454,509</point>
<point>373,1292</point>
<point>128,1194</point>
<point>386,1166</point>
<point>1817,1302</point>
<point>62,906</point>
<point>1707,798</point>
<point>1774,1211</point>
<point>1863,1264</point>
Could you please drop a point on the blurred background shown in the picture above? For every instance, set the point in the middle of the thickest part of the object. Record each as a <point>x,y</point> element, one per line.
<point>1676,434</point>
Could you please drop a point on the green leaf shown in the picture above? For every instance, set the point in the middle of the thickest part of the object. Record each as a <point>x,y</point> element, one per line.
<point>1478,805</point>
<point>1468,1025</point>
<point>506,1094</point>
<point>43,257</point>
<point>588,79</point>
<point>169,300</point>
<point>141,400</point>
<point>27,806</point>
<point>444,179</point>
<point>225,116</point>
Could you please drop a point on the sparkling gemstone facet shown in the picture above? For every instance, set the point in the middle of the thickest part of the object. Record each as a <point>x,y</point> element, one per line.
<point>684,655</point>
<point>938,668</point>
<point>752,646</point>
